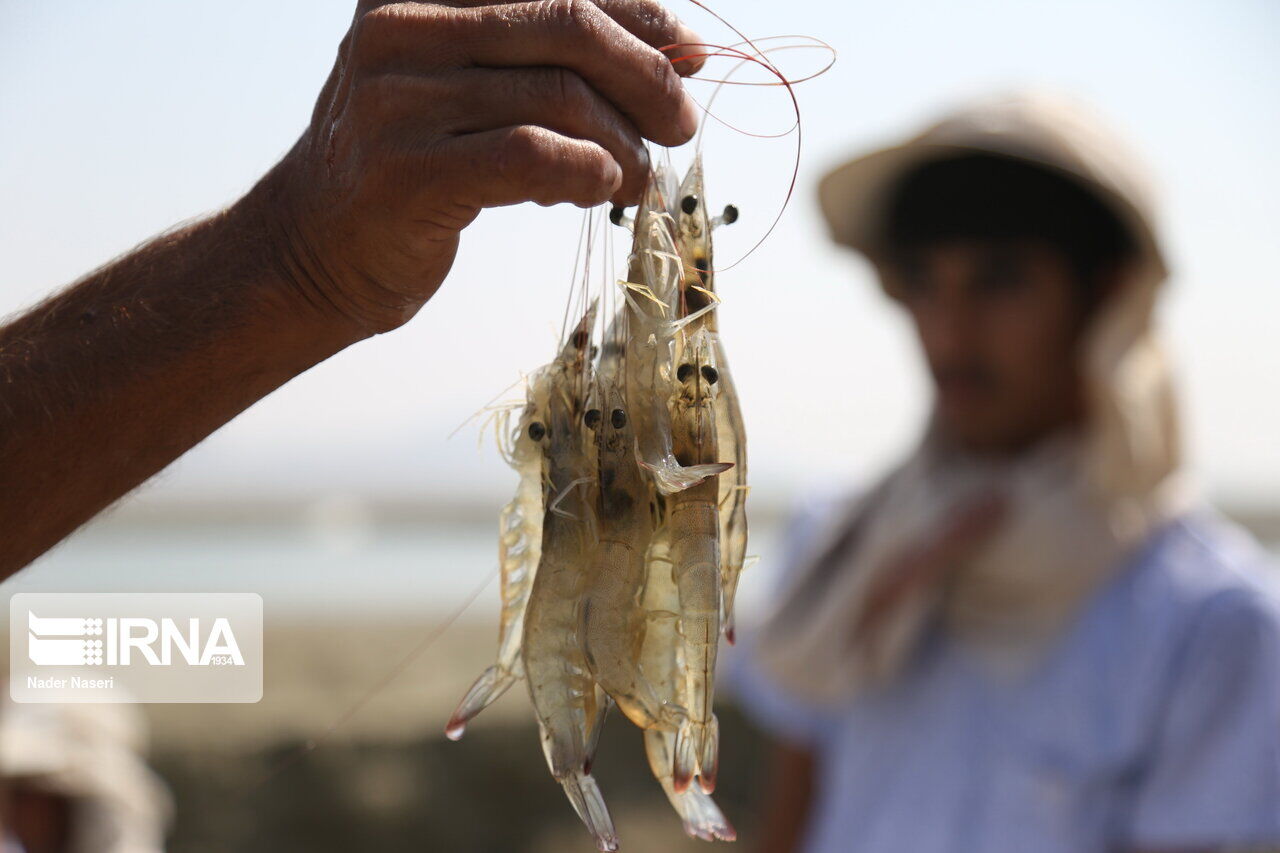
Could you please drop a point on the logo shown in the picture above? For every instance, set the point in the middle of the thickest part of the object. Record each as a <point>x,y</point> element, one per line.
<point>46,646</point>
<point>124,647</point>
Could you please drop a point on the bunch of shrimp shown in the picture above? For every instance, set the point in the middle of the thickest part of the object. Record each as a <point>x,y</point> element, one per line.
<point>621,549</point>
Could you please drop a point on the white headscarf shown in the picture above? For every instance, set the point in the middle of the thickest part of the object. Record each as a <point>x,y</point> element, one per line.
<point>91,754</point>
<point>1079,504</point>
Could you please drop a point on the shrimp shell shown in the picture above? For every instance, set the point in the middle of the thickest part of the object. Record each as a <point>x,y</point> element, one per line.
<point>614,621</point>
<point>650,292</point>
<point>693,521</point>
<point>519,550</point>
<point>564,696</point>
<point>693,238</point>
<point>661,659</point>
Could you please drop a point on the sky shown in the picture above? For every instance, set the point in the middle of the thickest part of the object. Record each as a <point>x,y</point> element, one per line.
<point>122,119</point>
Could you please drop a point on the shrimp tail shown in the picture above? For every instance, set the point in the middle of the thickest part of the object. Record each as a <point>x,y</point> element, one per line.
<point>588,802</point>
<point>603,703</point>
<point>703,818</point>
<point>697,752</point>
<point>676,479</point>
<point>685,765</point>
<point>709,760</point>
<point>491,684</point>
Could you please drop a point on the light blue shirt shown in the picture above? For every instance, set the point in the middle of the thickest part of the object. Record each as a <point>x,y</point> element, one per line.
<point>1153,723</point>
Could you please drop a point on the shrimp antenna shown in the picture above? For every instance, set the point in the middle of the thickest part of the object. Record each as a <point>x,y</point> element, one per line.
<point>758,57</point>
<point>491,405</point>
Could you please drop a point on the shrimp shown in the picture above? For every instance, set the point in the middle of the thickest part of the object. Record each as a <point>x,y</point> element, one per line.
<point>569,708</point>
<point>613,623</point>
<point>732,498</point>
<point>702,817</point>
<point>614,583</point>
<point>693,238</point>
<point>694,527</point>
<point>660,659</point>
<point>622,549</point>
<point>519,549</point>
<point>652,286</point>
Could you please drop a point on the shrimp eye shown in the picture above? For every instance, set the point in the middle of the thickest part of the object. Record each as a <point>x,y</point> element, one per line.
<point>580,339</point>
<point>618,418</point>
<point>591,418</point>
<point>730,214</point>
<point>537,431</point>
<point>689,204</point>
<point>615,214</point>
<point>710,374</point>
<point>684,372</point>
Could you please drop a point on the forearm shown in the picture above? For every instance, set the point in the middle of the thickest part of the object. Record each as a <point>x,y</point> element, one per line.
<point>109,381</point>
<point>433,112</point>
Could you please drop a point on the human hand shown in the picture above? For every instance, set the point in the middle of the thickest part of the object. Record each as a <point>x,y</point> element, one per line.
<point>435,111</point>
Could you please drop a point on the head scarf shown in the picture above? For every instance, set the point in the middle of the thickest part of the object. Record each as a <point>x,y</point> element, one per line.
<point>92,755</point>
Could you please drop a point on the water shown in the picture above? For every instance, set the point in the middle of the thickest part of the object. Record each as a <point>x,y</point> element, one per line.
<point>333,563</point>
<point>305,568</point>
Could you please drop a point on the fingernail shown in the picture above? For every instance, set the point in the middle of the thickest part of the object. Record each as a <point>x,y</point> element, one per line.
<point>690,117</point>
<point>690,45</point>
<point>613,174</point>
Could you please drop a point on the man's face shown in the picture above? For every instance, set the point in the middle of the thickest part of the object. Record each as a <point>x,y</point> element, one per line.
<point>999,325</point>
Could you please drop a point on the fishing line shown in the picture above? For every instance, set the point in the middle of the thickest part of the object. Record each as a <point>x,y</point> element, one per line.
<point>758,57</point>
<point>377,687</point>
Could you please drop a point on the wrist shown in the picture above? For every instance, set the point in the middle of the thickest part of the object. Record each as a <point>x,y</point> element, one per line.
<point>293,296</point>
<point>316,242</point>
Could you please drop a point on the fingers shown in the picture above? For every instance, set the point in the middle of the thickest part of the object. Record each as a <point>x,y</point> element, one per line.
<point>475,100</point>
<point>576,34</point>
<point>655,25</point>
<point>523,163</point>
<point>647,20</point>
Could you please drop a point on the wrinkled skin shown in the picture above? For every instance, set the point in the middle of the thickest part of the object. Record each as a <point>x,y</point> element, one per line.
<point>434,111</point>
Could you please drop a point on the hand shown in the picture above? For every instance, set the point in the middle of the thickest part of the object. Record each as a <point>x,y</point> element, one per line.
<point>434,111</point>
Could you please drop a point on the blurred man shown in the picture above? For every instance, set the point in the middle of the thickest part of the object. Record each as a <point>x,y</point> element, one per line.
<point>1028,636</point>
